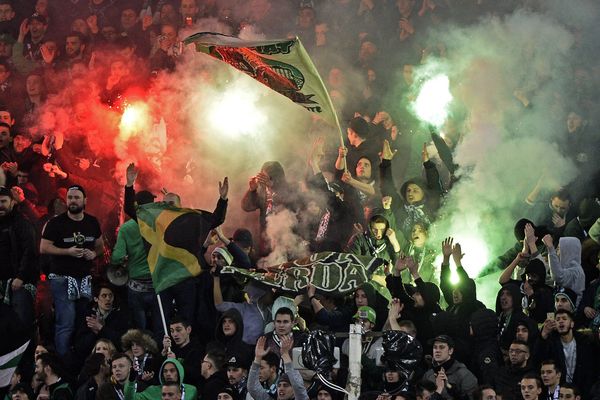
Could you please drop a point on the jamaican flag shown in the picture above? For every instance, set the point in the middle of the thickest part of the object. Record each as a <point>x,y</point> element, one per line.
<point>174,236</point>
<point>282,65</point>
<point>329,272</point>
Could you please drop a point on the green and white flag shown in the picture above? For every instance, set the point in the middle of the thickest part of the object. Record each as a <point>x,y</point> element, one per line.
<point>9,362</point>
<point>329,272</point>
<point>282,65</point>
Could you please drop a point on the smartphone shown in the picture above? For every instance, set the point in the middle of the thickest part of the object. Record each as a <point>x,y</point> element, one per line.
<point>550,316</point>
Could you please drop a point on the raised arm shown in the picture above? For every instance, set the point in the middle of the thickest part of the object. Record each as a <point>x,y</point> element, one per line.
<point>129,200</point>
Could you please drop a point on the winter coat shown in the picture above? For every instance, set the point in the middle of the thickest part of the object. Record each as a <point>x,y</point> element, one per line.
<point>507,381</point>
<point>234,345</point>
<point>154,392</point>
<point>463,382</point>
<point>486,356</point>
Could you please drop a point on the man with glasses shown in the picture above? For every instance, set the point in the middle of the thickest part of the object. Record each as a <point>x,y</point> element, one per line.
<point>508,377</point>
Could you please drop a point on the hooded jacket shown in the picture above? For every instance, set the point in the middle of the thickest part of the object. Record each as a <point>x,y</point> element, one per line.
<point>233,345</point>
<point>154,392</point>
<point>567,268</point>
<point>508,321</point>
<point>486,357</point>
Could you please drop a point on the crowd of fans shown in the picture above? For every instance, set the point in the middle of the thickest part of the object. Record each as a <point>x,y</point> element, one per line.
<point>230,339</point>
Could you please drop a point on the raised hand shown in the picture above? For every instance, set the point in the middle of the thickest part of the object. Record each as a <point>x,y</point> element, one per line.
<point>447,247</point>
<point>457,254</point>
<point>287,342</point>
<point>424,153</point>
<point>386,151</point>
<point>548,241</point>
<point>224,188</point>
<point>131,173</point>
<point>261,350</point>
<point>530,237</point>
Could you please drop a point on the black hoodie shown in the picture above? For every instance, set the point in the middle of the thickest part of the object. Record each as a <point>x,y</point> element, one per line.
<point>232,345</point>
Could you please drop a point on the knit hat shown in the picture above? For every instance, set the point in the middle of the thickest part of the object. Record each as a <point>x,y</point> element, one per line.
<point>224,253</point>
<point>284,378</point>
<point>567,293</point>
<point>443,339</point>
<point>230,391</point>
<point>366,312</point>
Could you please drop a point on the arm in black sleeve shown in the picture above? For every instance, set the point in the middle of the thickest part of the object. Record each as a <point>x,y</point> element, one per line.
<point>386,183</point>
<point>396,288</point>
<point>218,216</point>
<point>433,177</point>
<point>27,270</point>
<point>240,259</point>
<point>445,286</point>
<point>129,202</point>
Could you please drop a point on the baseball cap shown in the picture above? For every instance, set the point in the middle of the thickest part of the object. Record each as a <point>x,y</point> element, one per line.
<point>444,339</point>
<point>366,312</point>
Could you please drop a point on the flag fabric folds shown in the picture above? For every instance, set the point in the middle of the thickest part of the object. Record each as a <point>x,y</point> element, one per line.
<point>329,272</point>
<point>172,234</point>
<point>282,65</point>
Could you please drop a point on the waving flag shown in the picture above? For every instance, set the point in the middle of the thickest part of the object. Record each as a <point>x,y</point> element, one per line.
<point>334,273</point>
<point>282,65</point>
<point>173,234</point>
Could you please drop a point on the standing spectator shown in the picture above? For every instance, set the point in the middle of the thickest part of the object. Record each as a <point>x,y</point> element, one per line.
<point>213,372</point>
<point>48,369</point>
<point>187,349</point>
<point>551,377</point>
<point>566,267</point>
<point>506,381</point>
<point>96,367</point>
<point>115,388</point>
<point>73,240</point>
<point>17,250</point>
<point>531,387</point>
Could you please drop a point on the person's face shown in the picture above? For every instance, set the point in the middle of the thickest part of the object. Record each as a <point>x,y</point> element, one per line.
<point>170,392</point>
<point>488,394</point>
<point>102,348</point>
<point>170,34</point>
<point>457,296</point>
<point>323,395</point>
<point>73,46</point>
<point>37,28</point>
<point>360,298</point>
<point>218,260</point>
<point>109,33</point>
<point>522,333</point>
<point>39,350</point>
<point>20,144</point>
<point>19,396</point>
<point>207,368</point>
<point>105,298</point>
<point>229,326</point>
<point>120,369</point>
<point>321,34</point>
<point>224,396</point>
<point>550,376</point>
<point>405,6</point>
<point>365,323</point>
<point>119,69</point>
<point>180,334</point>
<point>137,350</point>
<point>363,169</point>
<point>6,205</point>
<point>4,72</point>
<point>40,370</point>
<point>574,122</point>
<point>562,303</point>
<point>367,51</point>
<point>41,7</point>
<point>75,201</point>
<point>392,376</point>
<point>530,389</point>
<point>306,18</point>
<point>128,18</point>
<point>5,51</point>
<point>168,13</point>
<point>532,279</point>
<point>34,85</point>
<point>5,138</point>
<point>283,324</point>
<point>336,78</point>
<point>563,324</point>
<point>377,229</point>
<point>441,352</point>
<point>560,206</point>
<point>567,394</point>
<point>518,354</point>
<point>284,391</point>
<point>506,301</point>
<point>79,25</point>
<point>265,372</point>
<point>235,375</point>
<point>188,8</point>
<point>418,236</point>
<point>6,12</point>
<point>419,302</point>
<point>414,193</point>
<point>170,373</point>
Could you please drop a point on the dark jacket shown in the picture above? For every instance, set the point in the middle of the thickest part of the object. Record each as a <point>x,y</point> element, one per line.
<point>485,356</point>
<point>21,261</point>
<point>586,364</point>
<point>191,357</point>
<point>462,380</point>
<point>233,346</point>
<point>507,381</point>
<point>508,321</point>
<point>407,215</point>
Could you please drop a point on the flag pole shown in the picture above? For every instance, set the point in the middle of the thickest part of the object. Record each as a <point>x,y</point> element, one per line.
<point>162,314</point>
